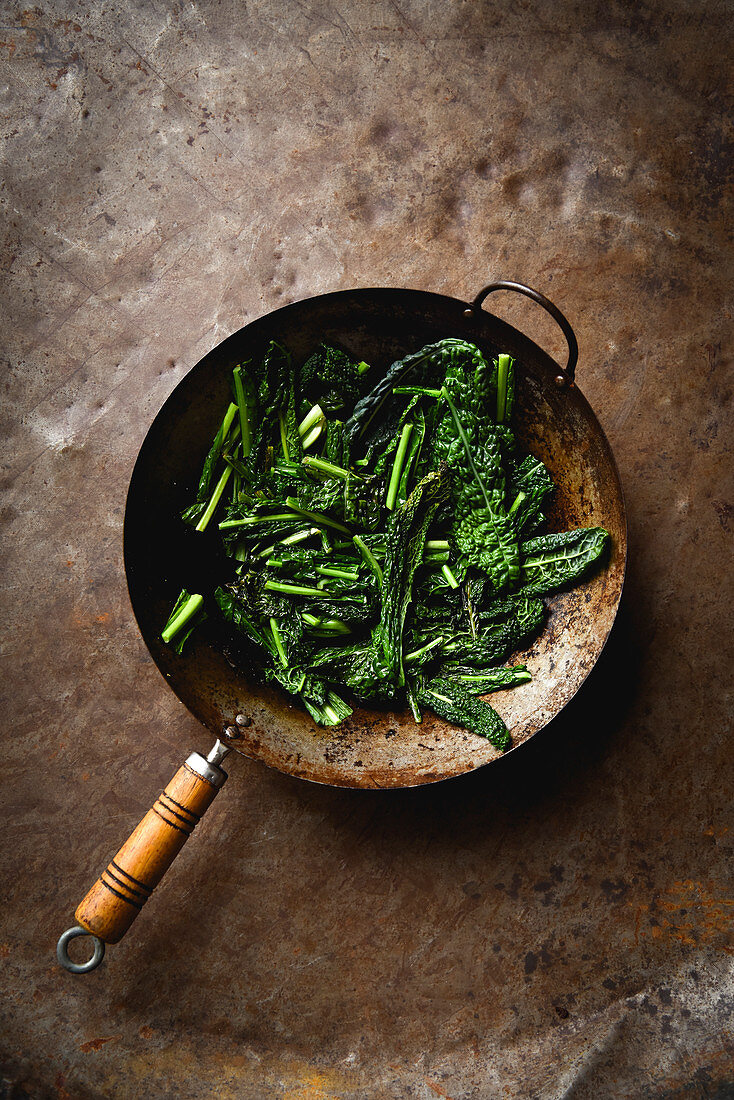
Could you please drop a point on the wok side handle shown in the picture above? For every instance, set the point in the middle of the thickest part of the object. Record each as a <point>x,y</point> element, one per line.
<point>567,376</point>
<point>125,885</point>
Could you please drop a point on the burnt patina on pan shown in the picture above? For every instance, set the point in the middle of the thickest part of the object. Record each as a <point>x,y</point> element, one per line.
<point>214,675</point>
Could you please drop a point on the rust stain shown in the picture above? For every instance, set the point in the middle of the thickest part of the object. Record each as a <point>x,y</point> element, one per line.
<point>96,1044</point>
<point>145,1032</point>
<point>688,912</point>
<point>309,1084</point>
<point>61,1092</point>
<point>4,950</point>
<point>437,1088</point>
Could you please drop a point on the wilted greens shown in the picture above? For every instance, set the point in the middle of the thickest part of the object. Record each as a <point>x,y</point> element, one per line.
<point>384,534</point>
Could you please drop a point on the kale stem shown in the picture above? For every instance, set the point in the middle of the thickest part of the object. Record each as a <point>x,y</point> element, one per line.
<point>226,524</point>
<point>239,390</point>
<point>313,435</point>
<point>325,467</point>
<point>278,642</point>
<point>295,589</point>
<point>317,517</point>
<point>516,503</point>
<point>331,571</point>
<point>183,616</point>
<point>283,439</point>
<point>291,540</point>
<point>436,544</point>
<point>369,557</point>
<point>465,441</point>
<point>397,469</point>
<point>227,422</point>
<point>211,506</point>
<point>315,416</point>
<point>503,371</point>
<point>425,390</point>
<point>449,576</point>
<point>435,644</point>
<point>362,367</point>
<point>413,702</point>
<point>335,626</point>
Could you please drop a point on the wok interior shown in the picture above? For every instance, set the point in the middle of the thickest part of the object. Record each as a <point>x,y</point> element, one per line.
<point>214,676</point>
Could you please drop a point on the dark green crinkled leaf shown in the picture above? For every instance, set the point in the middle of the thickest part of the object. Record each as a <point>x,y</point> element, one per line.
<point>556,561</point>
<point>449,699</point>
<point>334,584</point>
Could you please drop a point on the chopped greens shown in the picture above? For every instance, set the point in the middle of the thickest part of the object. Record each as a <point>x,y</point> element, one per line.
<point>385,537</point>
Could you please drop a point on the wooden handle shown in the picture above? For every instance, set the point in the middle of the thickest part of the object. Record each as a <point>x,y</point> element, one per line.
<point>123,888</point>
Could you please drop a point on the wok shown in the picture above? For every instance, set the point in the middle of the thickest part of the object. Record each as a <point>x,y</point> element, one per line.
<point>374,748</point>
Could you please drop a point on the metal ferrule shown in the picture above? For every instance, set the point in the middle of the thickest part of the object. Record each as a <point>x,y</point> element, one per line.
<point>208,767</point>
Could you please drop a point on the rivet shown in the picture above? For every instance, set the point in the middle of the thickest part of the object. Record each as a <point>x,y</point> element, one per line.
<point>243,720</point>
<point>560,381</point>
<point>469,312</point>
<point>231,732</point>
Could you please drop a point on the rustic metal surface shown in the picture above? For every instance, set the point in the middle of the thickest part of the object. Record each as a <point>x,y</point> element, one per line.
<point>558,925</point>
<point>372,748</point>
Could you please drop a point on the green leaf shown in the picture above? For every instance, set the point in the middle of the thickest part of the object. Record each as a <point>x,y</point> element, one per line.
<point>557,561</point>
<point>449,699</point>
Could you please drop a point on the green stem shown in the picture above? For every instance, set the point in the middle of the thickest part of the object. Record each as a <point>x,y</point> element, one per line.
<point>278,642</point>
<point>369,557</point>
<point>331,571</point>
<point>425,390</point>
<point>397,468</point>
<point>325,467</point>
<point>313,435</point>
<point>436,544</point>
<point>239,390</point>
<point>503,371</point>
<point>362,367</point>
<point>521,677</point>
<point>283,439</point>
<point>449,576</point>
<point>226,524</point>
<point>334,626</point>
<point>295,589</point>
<point>317,517</point>
<point>516,503</point>
<point>186,613</point>
<point>435,644</point>
<point>291,540</point>
<point>315,416</point>
<point>211,506</point>
<point>467,448</point>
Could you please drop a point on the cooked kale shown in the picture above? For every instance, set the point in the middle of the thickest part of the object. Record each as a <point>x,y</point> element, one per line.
<point>381,539</point>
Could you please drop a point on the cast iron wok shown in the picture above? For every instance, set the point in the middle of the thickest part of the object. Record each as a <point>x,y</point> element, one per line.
<point>213,677</point>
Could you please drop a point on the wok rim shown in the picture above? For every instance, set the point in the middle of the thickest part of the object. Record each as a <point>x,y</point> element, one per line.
<point>344,296</point>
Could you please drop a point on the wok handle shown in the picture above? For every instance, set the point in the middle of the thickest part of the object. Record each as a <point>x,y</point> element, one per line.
<point>123,888</point>
<point>567,376</point>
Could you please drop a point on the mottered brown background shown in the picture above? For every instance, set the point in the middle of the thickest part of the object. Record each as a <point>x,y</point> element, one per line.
<point>559,925</point>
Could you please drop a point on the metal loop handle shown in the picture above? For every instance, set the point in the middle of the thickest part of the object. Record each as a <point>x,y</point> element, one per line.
<point>573,348</point>
<point>63,956</point>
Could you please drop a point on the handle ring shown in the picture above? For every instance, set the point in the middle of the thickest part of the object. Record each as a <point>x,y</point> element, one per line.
<point>63,956</point>
<point>566,377</point>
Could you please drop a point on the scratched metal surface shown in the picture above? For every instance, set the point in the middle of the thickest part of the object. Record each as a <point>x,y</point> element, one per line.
<point>558,925</point>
